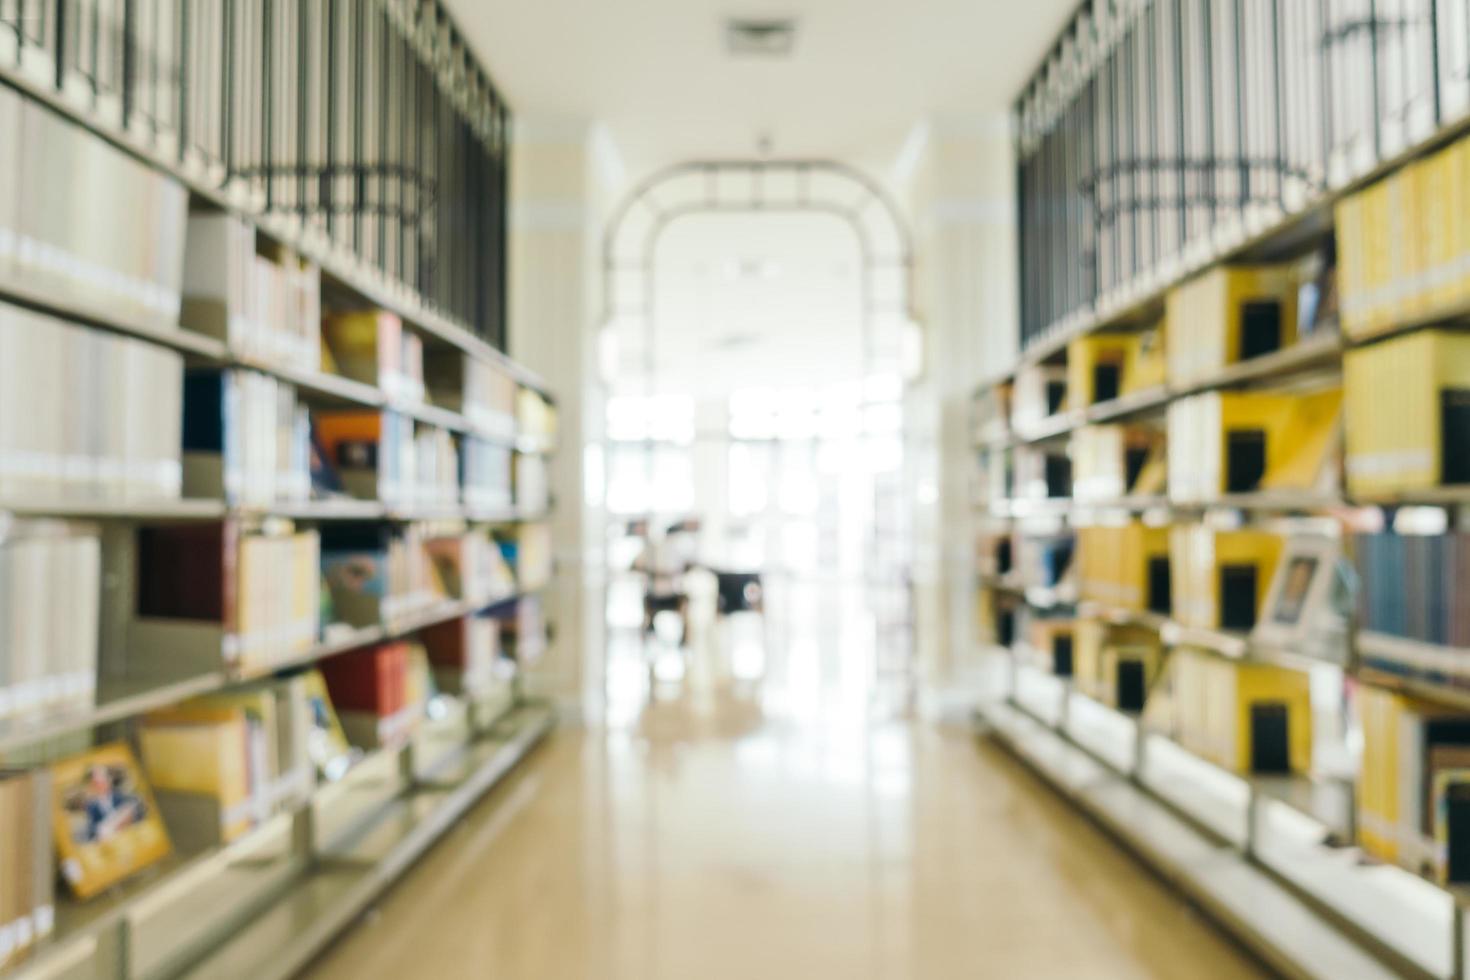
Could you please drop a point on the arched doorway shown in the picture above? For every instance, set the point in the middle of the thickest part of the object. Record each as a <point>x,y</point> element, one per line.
<point>640,327</point>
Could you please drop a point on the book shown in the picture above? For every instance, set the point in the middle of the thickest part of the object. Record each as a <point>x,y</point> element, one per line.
<point>218,593</point>
<point>85,415</point>
<point>376,573</point>
<point>1226,315</point>
<point>27,889</point>
<point>245,439</point>
<point>198,763</point>
<point>104,820</point>
<point>1406,413</point>
<point>50,608</point>
<point>1253,442</point>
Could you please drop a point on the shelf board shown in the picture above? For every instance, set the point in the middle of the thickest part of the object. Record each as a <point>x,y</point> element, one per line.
<point>1131,404</point>
<point>1267,501</point>
<point>181,509</point>
<point>1424,670</point>
<point>1315,352</point>
<point>339,509</point>
<point>103,318</point>
<point>1446,496</point>
<point>117,699</point>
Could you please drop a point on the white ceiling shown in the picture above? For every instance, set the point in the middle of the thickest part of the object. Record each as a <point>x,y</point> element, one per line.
<point>745,300</point>
<point>656,72</point>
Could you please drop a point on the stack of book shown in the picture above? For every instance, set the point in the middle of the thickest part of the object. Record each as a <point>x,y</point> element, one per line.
<point>523,630</point>
<point>528,550</point>
<point>1220,579</point>
<point>435,481</point>
<point>1112,461</point>
<point>1116,665</point>
<point>85,414</point>
<point>378,692</point>
<point>1125,566</point>
<point>1224,443</point>
<point>1245,717</point>
<point>1414,787</point>
<point>27,887</point>
<point>1041,392</point>
<point>486,473</point>
<point>225,763</point>
<point>536,418</point>
<point>1411,586</point>
<point>50,596</point>
<point>1408,413</point>
<point>1103,367</point>
<point>1053,640</point>
<point>373,347</point>
<point>267,307</point>
<point>991,412</point>
<point>469,566</point>
<point>206,592</point>
<point>489,399</point>
<point>246,439</point>
<point>197,760</point>
<point>465,654</point>
<point>1044,559</point>
<point>376,573</point>
<point>532,484</point>
<point>83,222</point>
<point>1228,315</point>
<point>383,456</point>
<point>1043,472</point>
<point>1403,242</point>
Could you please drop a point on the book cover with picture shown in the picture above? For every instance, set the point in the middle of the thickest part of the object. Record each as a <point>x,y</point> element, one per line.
<point>104,819</point>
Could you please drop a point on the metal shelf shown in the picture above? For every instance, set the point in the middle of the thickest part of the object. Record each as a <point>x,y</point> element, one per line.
<point>285,937</point>
<point>180,509</point>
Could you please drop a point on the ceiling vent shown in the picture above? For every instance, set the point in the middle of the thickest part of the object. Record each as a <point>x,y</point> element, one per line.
<point>770,37</point>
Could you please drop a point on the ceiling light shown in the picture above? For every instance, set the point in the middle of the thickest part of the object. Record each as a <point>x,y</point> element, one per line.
<point>765,36</point>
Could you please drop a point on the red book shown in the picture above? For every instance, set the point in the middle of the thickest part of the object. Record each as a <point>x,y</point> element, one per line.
<point>372,679</point>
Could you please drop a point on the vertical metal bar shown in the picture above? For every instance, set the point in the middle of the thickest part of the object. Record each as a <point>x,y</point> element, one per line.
<point>303,102</point>
<point>327,187</point>
<point>1434,92</point>
<point>1376,97</point>
<point>1278,106</point>
<point>230,66</point>
<point>1241,147</point>
<point>129,61</point>
<point>1326,95</point>
<point>1181,121</point>
<point>267,101</point>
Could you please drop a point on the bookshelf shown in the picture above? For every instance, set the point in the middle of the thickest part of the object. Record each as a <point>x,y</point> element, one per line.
<point>1342,837</point>
<point>272,498</point>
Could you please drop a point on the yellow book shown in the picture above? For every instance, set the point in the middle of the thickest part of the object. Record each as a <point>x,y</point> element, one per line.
<point>1147,367</point>
<point>202,752</point>
<point>1352,266</point>
<point>1399,394</point>
<point>1303,442</point>
<point>1096,368</point>
<point>1220,579</point>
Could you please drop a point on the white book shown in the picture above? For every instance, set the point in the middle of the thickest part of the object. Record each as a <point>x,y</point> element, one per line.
<point>10,154</point>
<point>210,274</point>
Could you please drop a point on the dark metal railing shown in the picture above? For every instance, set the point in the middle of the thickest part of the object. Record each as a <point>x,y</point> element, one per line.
<point>1152,123</point>
<point>368,122</point>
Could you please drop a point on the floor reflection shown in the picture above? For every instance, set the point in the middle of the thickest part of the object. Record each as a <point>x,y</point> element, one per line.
<point>813,655</point>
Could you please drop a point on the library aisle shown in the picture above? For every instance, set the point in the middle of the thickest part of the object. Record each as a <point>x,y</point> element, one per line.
<point>727,830</point>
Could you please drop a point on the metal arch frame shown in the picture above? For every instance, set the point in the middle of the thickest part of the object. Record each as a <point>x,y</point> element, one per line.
<point>869,193</point>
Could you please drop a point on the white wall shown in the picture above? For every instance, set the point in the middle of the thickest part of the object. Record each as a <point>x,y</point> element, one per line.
<point>956,178</point>
<point>563,176</point>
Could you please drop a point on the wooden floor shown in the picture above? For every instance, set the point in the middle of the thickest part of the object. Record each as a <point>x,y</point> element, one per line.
<point>710,839</point>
